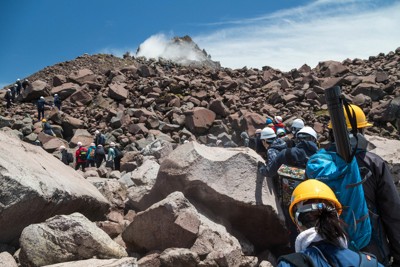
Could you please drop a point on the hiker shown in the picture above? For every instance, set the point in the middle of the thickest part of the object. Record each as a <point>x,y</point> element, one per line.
<point>91,155</point>
<point>296,156</point>
<point>81,156</point>
<point>296,126</point>
<point>40,107</point>
<point>114,155</point>
<point>382,198</point>
<point>25,84</point>
<point>46,127</point>
<point>8,98</point>
<point>57,101</point>
<point>66,157</point>
<point>322,241</point>
<point>99,155</point>
<point>245,138</point>
<point>278,123</point>
<point>272,144</point>
<point>13,92</point>
<point>99,138</point>
<point>19,86</point>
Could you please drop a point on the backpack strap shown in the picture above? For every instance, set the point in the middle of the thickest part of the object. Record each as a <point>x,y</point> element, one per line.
<point>367,260</point>
<point>326,259</point>
<point>351,115</point>
<point>298,260</point>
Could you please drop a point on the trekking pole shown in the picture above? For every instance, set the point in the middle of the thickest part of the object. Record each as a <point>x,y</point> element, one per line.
<point>339,127</point>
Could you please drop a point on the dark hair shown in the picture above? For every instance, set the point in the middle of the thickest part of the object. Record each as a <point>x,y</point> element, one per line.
<point>326,223</point>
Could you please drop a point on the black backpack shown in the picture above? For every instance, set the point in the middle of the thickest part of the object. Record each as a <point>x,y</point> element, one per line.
<point>70,157</point>
<point>83,154</point>
<point>118,153</point>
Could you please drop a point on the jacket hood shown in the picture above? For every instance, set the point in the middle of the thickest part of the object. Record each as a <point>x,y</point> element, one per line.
<point>278,144</point>
<point>308,146</point>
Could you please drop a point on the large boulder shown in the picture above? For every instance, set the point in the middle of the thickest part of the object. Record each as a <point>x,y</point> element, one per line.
<point>37,89</point>
<point>143,179</point>
<point>70,124</point>
<point>66,238</point>
<point>36,186</point>
<point>65,90</point>
<point>199,120</point>
<point>123,262</point>
<point>82,76</point>
<point>6,259</point>
<point>172,222</point>
<point>175,223</point>
<point>225,181</point>
<point>83,136</point>
<point>117,91</point>
<point>389,150</point>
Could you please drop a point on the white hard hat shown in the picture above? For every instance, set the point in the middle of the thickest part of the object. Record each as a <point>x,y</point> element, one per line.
<point>15,84</point>
<point>97,132</point>
<point>307,130</point>
<point>297,124</point>
<point>278,119</point>
<point>18,79</point>
<point>62,147</point>
<point>55,94</point>
<point>79,144</point>
<point>258,131</point>
<point>267,133</point>
<point>280,131</point>
<point>41,97</point>
<point>92,144</point>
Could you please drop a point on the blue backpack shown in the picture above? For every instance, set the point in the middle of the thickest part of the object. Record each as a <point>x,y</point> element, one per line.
<point>345,181</point>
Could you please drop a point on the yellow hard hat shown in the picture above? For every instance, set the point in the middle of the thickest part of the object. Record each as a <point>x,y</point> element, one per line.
<point>313,189</point>
<point>44,120</point>
<point>360,117</point>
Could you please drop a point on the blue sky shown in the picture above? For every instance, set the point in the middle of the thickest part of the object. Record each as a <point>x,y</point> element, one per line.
<point>281,34</point>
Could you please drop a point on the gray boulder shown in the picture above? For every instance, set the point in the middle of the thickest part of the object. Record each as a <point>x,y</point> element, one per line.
<point>66,238</point>
<point>36,186</point>
<point>227,183</point>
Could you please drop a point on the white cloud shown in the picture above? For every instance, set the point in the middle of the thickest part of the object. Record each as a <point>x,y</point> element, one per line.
<point>321,30</point>
<point>161,46</point>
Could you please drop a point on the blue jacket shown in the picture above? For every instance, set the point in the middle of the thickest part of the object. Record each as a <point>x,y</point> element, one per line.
<point>298,157</point>
<point>277,146</point>
<point>339,257</point>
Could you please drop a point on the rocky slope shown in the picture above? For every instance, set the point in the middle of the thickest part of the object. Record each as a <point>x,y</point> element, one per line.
<point>171,205</point>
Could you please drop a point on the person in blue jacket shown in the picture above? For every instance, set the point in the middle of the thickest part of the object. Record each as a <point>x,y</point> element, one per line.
<point>297,156</point>
<point>322,241</point>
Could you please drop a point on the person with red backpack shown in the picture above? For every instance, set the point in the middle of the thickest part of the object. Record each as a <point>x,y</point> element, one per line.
<point>81,157</point>
<point>278,123</point>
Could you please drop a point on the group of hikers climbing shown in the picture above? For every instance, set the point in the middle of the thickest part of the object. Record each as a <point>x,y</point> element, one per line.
<point>14,91</point>
<point>355,224</point>
<point>94,155</point>
<point>346,211</point>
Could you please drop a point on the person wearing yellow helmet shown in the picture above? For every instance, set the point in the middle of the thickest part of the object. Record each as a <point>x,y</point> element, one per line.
<point>322,241</point>
<point>359,115</point>
<point>381,195</point>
